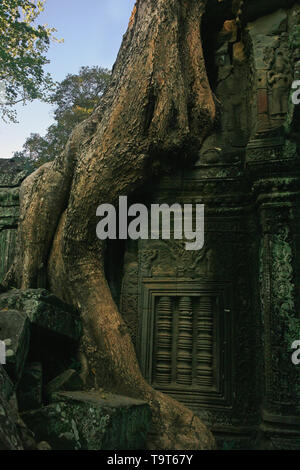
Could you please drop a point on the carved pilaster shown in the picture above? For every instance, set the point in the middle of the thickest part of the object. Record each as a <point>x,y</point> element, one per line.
<point>163,368</point>
<point>185,342</point>
<point>204,342</point>
<point>279,275</point>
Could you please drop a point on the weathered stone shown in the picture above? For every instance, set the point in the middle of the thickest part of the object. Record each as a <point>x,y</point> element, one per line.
<point>26,436</point>
<point>9,436</point>
<point>45,311</point>
<point>6,386</point>
<point>87,420</point>
<point>14,326</point>
<point>69,380</point>
<point>272,24</point>
<point>12,174</point>
<point>55,328</point>
<point>30,387</point>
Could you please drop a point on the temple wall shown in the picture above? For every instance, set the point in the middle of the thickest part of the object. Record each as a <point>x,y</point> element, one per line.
<point>11,176</point>
<point>214,328</point>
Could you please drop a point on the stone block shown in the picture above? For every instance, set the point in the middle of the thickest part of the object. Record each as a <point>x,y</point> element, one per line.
<point>14,326</point>
<point>30,387</point>
<point>45,311</point>
<point>91,421</point>
<point>9,436</point>
<point>6,385</point>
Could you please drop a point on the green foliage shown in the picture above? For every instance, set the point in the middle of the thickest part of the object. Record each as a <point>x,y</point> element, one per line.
<point>75,98</point>
<point>23,45</point>
<point>35,149</point>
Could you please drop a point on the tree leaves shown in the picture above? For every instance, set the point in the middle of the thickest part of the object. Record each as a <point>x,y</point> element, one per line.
<point>23,48</point>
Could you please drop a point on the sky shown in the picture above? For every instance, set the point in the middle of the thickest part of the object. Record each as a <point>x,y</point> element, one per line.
<point>92,31</point>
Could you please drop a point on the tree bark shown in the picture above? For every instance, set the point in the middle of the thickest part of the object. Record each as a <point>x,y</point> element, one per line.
<point>155,114</point>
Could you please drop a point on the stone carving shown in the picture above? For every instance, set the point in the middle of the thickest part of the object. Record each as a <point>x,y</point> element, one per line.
<point>185,313</point>
<point>171,259</point>
<point>205,342</point>
<point>180,355</point>
<point>297,70</point>
<point>279,81</point>
<point>283,330</point>
<point>164,342</point>
<point>129,297</point>
<point>185,342</point>
<point>146,258</point>
<point>231,91</point>
<point>295,42</point>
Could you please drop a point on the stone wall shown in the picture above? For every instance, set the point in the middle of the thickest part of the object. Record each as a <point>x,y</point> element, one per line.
<point>12,174</point>
<point>214,329</point>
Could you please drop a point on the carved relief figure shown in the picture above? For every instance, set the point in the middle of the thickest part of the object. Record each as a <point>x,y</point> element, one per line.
<point>279,80</point>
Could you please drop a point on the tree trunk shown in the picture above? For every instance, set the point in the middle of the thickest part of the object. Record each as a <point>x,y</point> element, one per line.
<point>154,115</point>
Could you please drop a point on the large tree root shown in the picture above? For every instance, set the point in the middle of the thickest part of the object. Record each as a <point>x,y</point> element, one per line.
<point>156,113</point>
